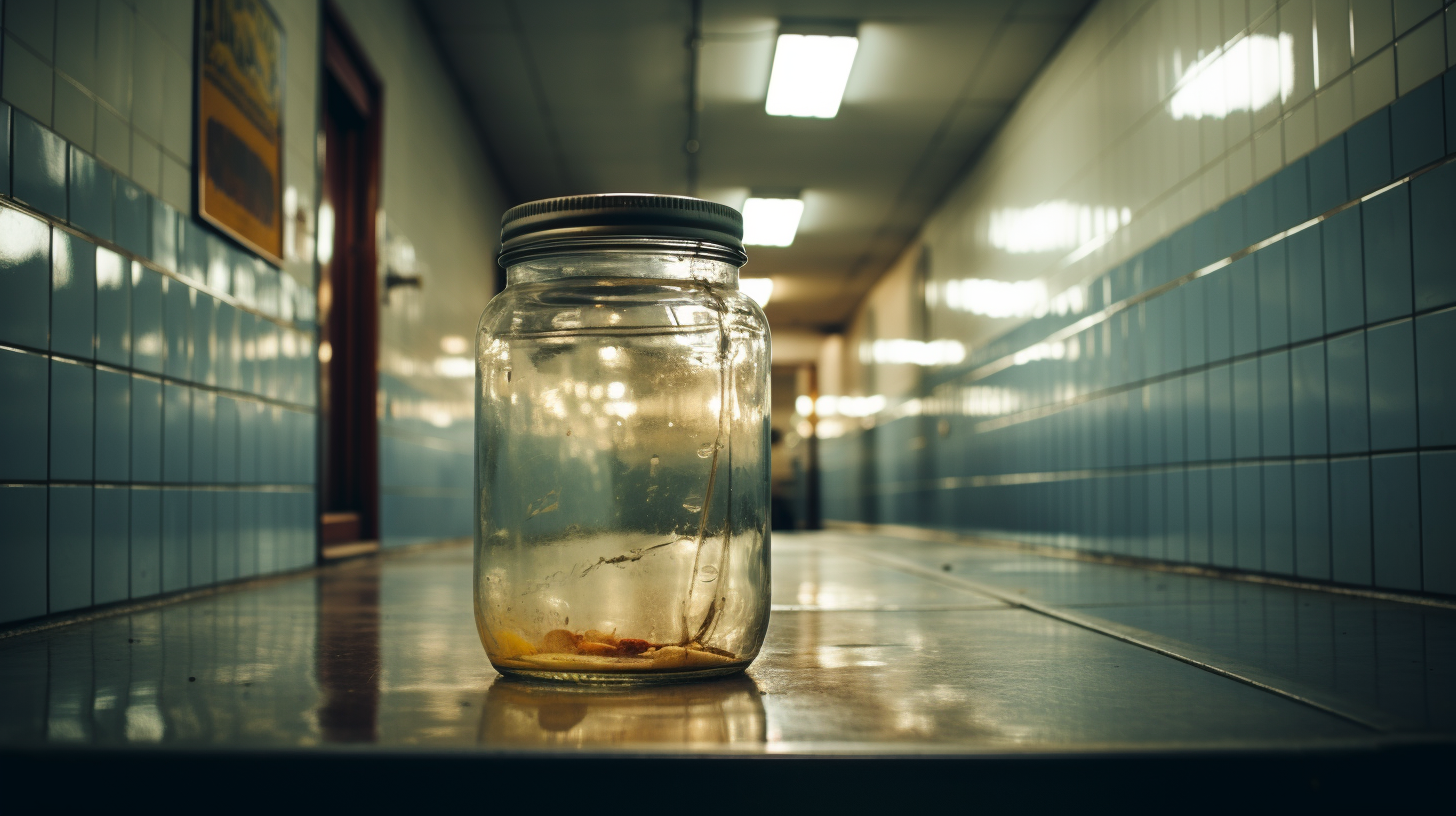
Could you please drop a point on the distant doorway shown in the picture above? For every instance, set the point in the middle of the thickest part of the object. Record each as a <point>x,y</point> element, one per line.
<point>348,297</point>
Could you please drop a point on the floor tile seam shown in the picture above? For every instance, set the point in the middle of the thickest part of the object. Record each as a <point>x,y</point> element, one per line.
<point>1132,562</point>
<point>1374,721</point>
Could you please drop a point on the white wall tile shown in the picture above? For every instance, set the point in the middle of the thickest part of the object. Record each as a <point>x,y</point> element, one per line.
<point>1240,163</point>
<point>75,115</point>
<point>176,184</point>
<point>1299,132</point>
<point>1373,23</point>
<point>25,81</point>
<point>114,55</point>
<point>1296,21</point>
<point>33,23</point>
<point>76,40</point>
<point>1335,109</point>
<point>1332,37</point>
<point>177,106</point>
<point>113,140</point>
<point>1420,56</point>
<point>1409,13</point>
<point>1268,152</point>
<point>148,88</point>
<point>1375,83</point>
<point>146,163</point>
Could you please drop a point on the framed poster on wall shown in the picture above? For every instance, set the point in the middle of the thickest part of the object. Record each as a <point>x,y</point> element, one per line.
<point>240,123</point>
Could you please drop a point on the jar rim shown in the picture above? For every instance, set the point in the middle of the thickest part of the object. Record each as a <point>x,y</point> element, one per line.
<point>617,222</point>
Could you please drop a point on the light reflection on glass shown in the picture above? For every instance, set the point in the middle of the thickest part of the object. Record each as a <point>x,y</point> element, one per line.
<point>1244,75</point>
<point>1053,226</point>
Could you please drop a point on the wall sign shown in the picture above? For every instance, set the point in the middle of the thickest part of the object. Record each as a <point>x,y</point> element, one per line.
<point>240,123</point>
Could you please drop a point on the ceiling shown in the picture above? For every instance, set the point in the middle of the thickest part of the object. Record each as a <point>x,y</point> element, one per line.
<point>586,96</point>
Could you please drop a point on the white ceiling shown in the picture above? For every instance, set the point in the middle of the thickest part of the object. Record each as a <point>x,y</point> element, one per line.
<point>587,96</point>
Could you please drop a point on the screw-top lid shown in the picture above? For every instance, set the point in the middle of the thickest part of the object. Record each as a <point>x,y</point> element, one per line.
<point>618,221</point>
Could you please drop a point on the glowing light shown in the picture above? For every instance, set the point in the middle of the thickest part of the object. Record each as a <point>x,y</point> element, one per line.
<point>326,352</point>
<point>915,352</point>
<point>325,233</point>
<point>1053,225</point>
<point>760,289</point>
<point>804,405</point>
<point>1244,75</point>
<point>608,352</point>
<point>455,368</point>
<point>616,390</point>
<point>809,74</point>
<point>828,406</point>
<point>771,221</point>
<point>454,344</point>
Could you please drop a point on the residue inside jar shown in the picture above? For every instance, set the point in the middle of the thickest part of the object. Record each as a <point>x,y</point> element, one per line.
<point>597,651</point>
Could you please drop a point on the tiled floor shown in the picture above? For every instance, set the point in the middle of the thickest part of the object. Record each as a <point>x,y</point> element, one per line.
<point>877,645</point>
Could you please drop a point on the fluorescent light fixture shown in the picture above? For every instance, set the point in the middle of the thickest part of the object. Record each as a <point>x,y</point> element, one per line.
<point>771,221</point>
<point>760,289</point>
<point>809,74</point>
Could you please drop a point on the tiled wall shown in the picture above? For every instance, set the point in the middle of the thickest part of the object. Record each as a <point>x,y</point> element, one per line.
<point>1225,335</point>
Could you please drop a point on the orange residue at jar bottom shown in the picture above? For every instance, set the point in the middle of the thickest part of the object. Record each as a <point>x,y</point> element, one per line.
<point>594,651</point>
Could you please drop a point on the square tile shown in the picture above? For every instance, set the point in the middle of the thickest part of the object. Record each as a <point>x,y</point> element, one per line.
<point>113,426</point>
<point>1278,483</point>
<point>1438,521</point>
<point>1433,241</point>
<point>73,296</point>
<point>1344,290</point>
<point>247,533</point>
<point>1273,295</point>
<point>1220,413</point>
<point>177,105</point>
<point>1308,406</point>
<point>164,235</point>
<point>192,251</point>
<point>146,165</point>
<point>1291,195</point>
<point>146,429</point>
<point>1348,389</point>
<point>132,218</point>
<point>1421,55</point>
<point>1173,430</point>
<point>204,339</point>
<point>1306,285</point>
<point>1386,230</point>
<point>1246,409</point>
<point>1274,402</point>
<point>176,433</point>
<point>69,548</point>
<point>1417,128</point>
<point>114,54</point>
<point>112,283</point>
<point>176,183</point>
<point>1328,185</point>
<point>74,116</point>
<point>1259,210</point>
<point>176,539</point>
<point>27,81</point>
<point>1244,303</point>
<point>146,542</point>
<point>204,437</point>
<point>1249,517</point>
<point>219,275</point>
<point>1350,547</point>
<point>73,407</point>
<point>113,141</point>
<point>111,533</point>
<point>228,426</point>
<point>1195,325</point>
<point>226,515</point>
<point>1396,518</point>
<point>34,23</point>
<point>149,66</point>
<point>24,415</point>
<point>1195,416</point>
<point>90,195</point>
<point>38,167</point>
<point>1170,304</point>
<point>1391,351</point>
<point>1436,377</point>
<point>1199,544</point>
<point>1312,520</point>
<point>203,544</point>
<point>1223,530</point>
<point>1368,157</point>
<point>24,280</point>
<point>249,440</point>
<point>178,298</point>
<point>1218,299</point>
<point>1375,84</point>
<point>148,346</point>
<point>22,552</point>
<point>229,348</point>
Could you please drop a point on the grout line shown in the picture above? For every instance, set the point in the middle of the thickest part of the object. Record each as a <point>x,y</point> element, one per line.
<point>1127,635</point>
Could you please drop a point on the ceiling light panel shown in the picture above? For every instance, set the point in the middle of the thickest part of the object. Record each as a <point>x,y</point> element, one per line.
<point>759,289</point>
<point>771,221</point>
<point>809,74</point>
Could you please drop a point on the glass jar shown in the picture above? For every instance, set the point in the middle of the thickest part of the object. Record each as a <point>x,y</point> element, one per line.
<point>622,445</point>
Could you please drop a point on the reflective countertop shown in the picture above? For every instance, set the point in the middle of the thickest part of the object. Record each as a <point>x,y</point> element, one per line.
<point>878,644</point>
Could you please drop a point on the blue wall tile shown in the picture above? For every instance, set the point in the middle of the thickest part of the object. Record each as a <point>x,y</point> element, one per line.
<point>133,218</point>
<point>1195,323</point>
<point>204,339</point>
<point>1273,296</point>
<point>1220,413</point>
<point>247,533</point>
<point>1438,521</point>
<point>1291,195</point>
<point>24,415</point>
<point>1350,521</point>
<point>113,426</point>
<point>69,548</point>
<point>1279,518</point>
<point>89,195</point>
<point>227,440</point>
<point>22,552</point>
<point>1368,143</point>
<point>1171,341</point>
<point>5,148</point>
<point>1306,286</point>
<point>228,350</point>
<point>1308,406</point>
<point>1433,241</point>
<point>163,234</point>
<point>1417,129</point>
<point>113,307</point>
<point>1348,401</point>
<point>226,515</point>
<point>1392,364</point>
<point>73,296</point>
<point>73,405</point>
<point>1222,531</point>
<point>1175,514</point>
<point>247,352</point>
<point>1244,294</point>
<point>1344,274</point>
<point>1327,182</point>
<point>203,551</point>
<point>148,344</point>
<point>146,542</point>
<point>25,280</point>
<point>1436,377</point>
<point>249,433</point>
<point>176,539</point>
<point>191,251</point>
<point>112,535</point>
<point>146,430</point>
<point>204,437</point>
<point>1217,299</point>
<point>1259,211</point>
<point>176,432</point>
<point>1246,409</point>
<point>1274,400</point>
<point>1387,234</point>
<point>178,298</point>
<point>39,167</point>
<point>1312,520</point>
<point>1395,500</point>
<point>1249,516</point>
<point>1195,415</point>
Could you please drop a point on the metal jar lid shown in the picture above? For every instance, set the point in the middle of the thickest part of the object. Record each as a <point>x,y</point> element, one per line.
<point>619,222</point>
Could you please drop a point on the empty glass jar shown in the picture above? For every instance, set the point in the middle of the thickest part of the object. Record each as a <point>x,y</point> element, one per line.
<point>622,444</point>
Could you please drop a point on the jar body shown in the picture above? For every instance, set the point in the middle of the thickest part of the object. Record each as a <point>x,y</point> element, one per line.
<point>622,462</point>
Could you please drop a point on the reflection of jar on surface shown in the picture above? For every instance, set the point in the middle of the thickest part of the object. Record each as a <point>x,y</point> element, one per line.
<point>622,444</point>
